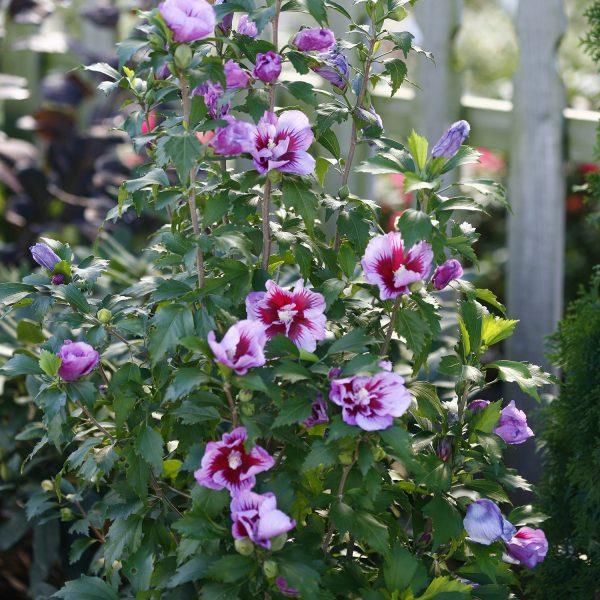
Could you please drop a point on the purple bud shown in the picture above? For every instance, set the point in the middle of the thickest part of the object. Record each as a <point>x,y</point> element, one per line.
<point>212,94</point>
<point>314,38</point>
<point>445,273</point>
<point>318,413</point>
<point>268,66</point>
<point>529,546</point>
<point>162,72</point>
<point>477,405</point>
<point>386,365</point>
<point>334,68</point>
<point>285,589</point>
<point>77,360</point>
<point>425,538</point>
<point>512,426</point>
<point>44,256</point>
<point>246,27</point>
<point>452,140</point>
<point>236,77</point>
<point>103,388</point>
<point>444,448</point>
<point>334,372</point>
<point>58,279</point>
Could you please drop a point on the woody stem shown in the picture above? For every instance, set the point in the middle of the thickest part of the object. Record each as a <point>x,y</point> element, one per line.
<point>390,331</point>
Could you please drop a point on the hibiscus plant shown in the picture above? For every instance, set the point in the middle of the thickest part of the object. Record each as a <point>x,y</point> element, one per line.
<point>274,410</point>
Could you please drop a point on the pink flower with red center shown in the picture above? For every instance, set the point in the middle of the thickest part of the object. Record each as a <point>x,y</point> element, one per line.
<point>371,402</point>
<point>297,313</point>
<point>281,143</point>
<point>389,265</point>
<point>241,347</point>
<point>255,516</point>
<point>227,465</point>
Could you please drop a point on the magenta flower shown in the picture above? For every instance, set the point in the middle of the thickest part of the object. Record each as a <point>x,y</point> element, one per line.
<point>281,143</point>
<point>333,66</point>
<point>246,27</point>
<point>282,584</point>
<point>77,360</point>
<point>528,546</point>
<point>478,404</point>
<point>234,139</point>
<point>445,273</point>
<point>449,144</point>
<point>387,264</point>
<point>485,524</point>
<point>371,402</point>
<point>241,347</point>
<point>512,426</point>
<point>58,279</point>
<point>44,256</point>
<point>267,67</point>
<point>314,38</point>
<point>318,413</point>
<point>189,20</point>
<point>298,313</point>
<point>227,465</point>
<point>255,516</point>
<point>236,77</point>
<point>212,94</point>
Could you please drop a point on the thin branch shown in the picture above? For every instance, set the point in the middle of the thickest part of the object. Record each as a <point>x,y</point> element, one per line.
<point>158,491</point>
<point>232,407</point>
<point>390,331</point>
<point>96,531</point>
<point>95,421</point>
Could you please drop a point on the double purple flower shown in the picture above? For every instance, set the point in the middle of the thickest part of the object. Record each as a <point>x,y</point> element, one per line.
<point>212,93</point>
<point>529,546</point>
<point>247,27</point>
<point>268,66</point>
<point>190,20</point>
<point>237,137</point>
<point>77,360</point>
<point>314,38</point>
<point>236,77</point>
<point>512,426</point>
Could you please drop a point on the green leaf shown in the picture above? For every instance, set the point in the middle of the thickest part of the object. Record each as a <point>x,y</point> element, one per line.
<point>447,521</point>
<point>191,413</point>
<point>400,567</point>
<point>434,474</point>
<point>485,420</point>
<point>354,341</point>
<point>362,524</point>
<point>171,323</point>
<point>294,410</point>
<point>219,591</point>
<point>74,297</point>
<point>29,332</point>
<point>495,329</point>
<point>151,178</point>
<point>87,588</point>
<point>49,363</point>
<point>20,364</point>
<point>526,515</point>
<point>317,9</point>
<point>470,321</point>
<point>397,70</point>
<point>231,568</point>
<point>418,147</point>
<point>303,91</point>
<point>329,141</point>
<point>490,298</point>
<point>427,398</point>
<point>149,446</point>
<point>186,380</point>
<point>13,292</point>
<point>398,442</point>
<point>414,225</point>
<point>299,574</point>
<point>296,194</point>
<point>105,69</point>
<point>402,41</point>
<point>527,376</point>
<point>320,455</point>
<point>190,571</point>
<point>291,371</point>
<point>445,588</point>
<point>414,329</point>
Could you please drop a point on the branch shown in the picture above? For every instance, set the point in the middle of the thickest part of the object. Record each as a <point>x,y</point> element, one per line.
<point>390,331</point>
<point>232,407</point>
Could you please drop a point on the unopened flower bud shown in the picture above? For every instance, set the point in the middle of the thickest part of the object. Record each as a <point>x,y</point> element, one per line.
<point>244,546</point>
<point>183,56</point>
<point>445,273</point>
<point>47,485</point>
<point>104,315</point>
<point>66,514</point>
<point>247,409</point>
<point>245,395</point>
<point>345,458</point>
<point>448,145</point>
<point>334,372</point>
<point>270,569</point>
<point>478,404</point>
<point>278,542</point>
<point>415,286</point>
<point>103,388</point>
<point>344,192</point>
<point>58,279</point>
<point>444,448</point>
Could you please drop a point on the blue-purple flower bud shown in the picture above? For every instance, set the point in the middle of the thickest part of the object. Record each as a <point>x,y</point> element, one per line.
<point>334,68</point>
<point>448,145</point>
<point>44,256</point>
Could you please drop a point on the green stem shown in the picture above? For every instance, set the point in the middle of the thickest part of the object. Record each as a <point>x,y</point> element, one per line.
<point>390,331</point>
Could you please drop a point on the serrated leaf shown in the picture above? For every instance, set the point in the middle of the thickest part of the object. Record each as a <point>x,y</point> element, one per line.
<point>297,195</point>
<point>353,341</point>
<point>149,446</point>
<point>447,521</point>
<point>317,10</point>
<point>495,329</point>
<point>396,68</point>
<point>320,455</point>
<point>527,376</point>
<point>400,567</point>
<point>87,588</point>
<point>49,363</point>
<point>418,147</point>
<point>414,225</point>
<point>171,323</point>
<point>414,329</point>
<point>20,364</point>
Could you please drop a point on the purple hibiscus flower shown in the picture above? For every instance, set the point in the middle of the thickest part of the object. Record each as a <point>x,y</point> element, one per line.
<point>255,516</point>
<point>189,20</point>
<point>267,67</point>
<point>529,546</point>
<point>298,313</point>
<point>247,27</point>
<point>213,99</point>
<point>485,524</point>
<point>77,360</point>
<point>314,38</point>
<point>284,588</point>
<point>371,402</point>
<point>227,465</point>
<point>236,77</point>
<point>318,413</point>
<point>234,139</point>
<point>390,266</point>
<point>445,273</point>
<point>478,404</point>
<point>512,426</point>
<point>281,143</point>
<point>241,347</point>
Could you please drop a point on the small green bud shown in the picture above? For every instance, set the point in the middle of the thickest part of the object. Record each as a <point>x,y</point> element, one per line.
<point>379,453</point>
<point>247,409</point>
<point>344,192</point>
<point>345,458</point>
<point>415,286</point>
<point>66,514</point>
<point>139,86</point>
<point>270,569</point>
<point>278,542</point>
<point>4,472</point>
<point>183,56</point>
<point>274,176</point>
<point>104,315</point>
<point>245,395</point>
<point>47,485</point>
<point>244,546</point>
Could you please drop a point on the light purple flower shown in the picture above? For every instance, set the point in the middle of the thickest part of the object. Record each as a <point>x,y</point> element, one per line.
<point>77,360</point>
<point>477,405</point>
<point>241,347</point>
<point>386,263</point>
<point>452,140</point>
<point>445,273</point>
<point>371,402</point>
<point>529,546</point>
<point>189,20</point>
<point>236,77</point>
<point>213,99</point>
<point>284,588</point>
<point>255,516</point>
<point>234,139</point>
<point>318,413</point>
<point>246,27</point>
<point>227,465</point>
<point>298,313</point>
<point>281,143</point>
<point>267,67</point>
<point>44,256</point>
<point>334,68</point>
<point>314,38</point>
<point>485,524</point>
<point>512,426</point>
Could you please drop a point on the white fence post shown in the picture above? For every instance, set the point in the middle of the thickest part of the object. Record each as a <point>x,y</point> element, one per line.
<point>537,194</point>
